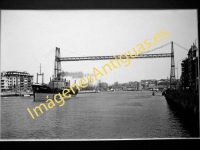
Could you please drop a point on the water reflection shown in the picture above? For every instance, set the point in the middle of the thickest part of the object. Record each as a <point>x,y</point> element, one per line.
<point>190,124</point>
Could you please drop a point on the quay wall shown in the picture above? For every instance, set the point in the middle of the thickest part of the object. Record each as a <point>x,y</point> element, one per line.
<point>187,100</point>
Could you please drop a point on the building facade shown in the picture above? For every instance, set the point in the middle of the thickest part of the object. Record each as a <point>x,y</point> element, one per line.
<point>145,83</point>
<point>103,86</point>
<point>189,76</point>
<point>14,80</point>
<point>4,82</point>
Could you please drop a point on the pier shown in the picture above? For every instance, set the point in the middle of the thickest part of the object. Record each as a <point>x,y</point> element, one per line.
<point>10,94</point>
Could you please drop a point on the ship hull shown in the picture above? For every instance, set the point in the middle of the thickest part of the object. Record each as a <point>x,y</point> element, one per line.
<point>43,92</point>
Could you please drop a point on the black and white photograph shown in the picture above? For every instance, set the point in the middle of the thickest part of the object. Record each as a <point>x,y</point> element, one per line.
<point>99,74</point>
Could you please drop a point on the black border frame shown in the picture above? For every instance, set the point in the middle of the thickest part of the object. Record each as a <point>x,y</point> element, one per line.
<point>99,5</point>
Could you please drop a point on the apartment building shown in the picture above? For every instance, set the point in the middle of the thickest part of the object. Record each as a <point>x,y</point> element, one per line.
<point>4,82</point>
<point>189,76</point>
<point>14,80</point>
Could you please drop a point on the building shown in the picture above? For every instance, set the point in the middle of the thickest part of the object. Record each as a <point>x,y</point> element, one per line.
<point>184,74</point>
<point>136,85</point>
<point>14,80</point>
<point>131,86</point>
<point>103,86</point>
<point>4,82</point>
<point>151,85</point>
<point>189,67</point>
<point>163,83</point>
<point>145,83</point>
<point>139,86</point>
<point>116,83</point>
<point>117,86</point>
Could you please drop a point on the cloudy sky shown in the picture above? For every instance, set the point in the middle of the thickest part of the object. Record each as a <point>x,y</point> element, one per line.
<point>29,37</point>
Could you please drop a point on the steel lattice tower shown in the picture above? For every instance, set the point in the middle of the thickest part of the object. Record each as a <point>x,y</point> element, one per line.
<point>57,67</point>
<point>172,72</point>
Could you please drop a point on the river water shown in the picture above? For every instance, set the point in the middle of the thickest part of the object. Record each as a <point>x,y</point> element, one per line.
<point>105,115</point>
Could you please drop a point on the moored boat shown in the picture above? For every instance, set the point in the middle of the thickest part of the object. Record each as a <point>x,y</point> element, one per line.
<point>41,91</point>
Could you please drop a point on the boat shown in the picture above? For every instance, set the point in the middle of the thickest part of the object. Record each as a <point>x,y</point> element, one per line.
<point>41,91</point>
<point>130,89</point>
<point>113,90</point>
<point>96,90</point>
<point>88,91</point>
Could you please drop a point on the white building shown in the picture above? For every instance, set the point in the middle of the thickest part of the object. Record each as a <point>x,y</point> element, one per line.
<point>14,80</point>
<point>4,84</point>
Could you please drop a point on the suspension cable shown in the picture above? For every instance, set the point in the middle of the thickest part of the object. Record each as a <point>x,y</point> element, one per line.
<point>74,53</point>
<point>77,54</point>
<point>49,54</point>
<point>181,46</point>
<point>157,48</point>
<point>50,51</point>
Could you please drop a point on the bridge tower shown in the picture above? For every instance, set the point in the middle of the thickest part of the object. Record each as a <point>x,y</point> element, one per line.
<point>172,72</point>
<point>57,65</point>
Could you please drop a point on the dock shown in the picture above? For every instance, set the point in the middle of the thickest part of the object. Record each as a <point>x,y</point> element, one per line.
<point>16,94</point>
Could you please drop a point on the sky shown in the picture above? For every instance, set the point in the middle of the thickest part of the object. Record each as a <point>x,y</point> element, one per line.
<point>30,37</point>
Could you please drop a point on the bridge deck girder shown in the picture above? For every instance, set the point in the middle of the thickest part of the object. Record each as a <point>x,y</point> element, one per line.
<point>113,57</point>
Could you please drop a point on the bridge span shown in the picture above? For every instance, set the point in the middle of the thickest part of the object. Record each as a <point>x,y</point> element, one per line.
<point>58,59</point>
<point>113,57</point>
